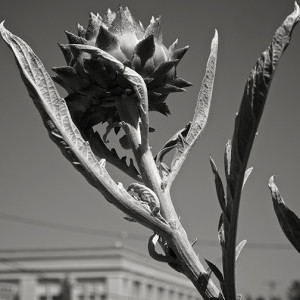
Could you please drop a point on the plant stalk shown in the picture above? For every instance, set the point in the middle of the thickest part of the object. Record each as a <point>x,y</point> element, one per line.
<point>176,238</point>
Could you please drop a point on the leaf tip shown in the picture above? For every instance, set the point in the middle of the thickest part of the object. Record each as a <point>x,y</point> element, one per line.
<point>2,28</point>
<point>296,10</point>
<point>216,35</point>
<point>271,181</point>
<point>215,40</point>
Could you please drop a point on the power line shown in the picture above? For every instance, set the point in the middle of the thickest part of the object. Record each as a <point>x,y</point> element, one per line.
<point>72,228</point>
<point>126,235</point>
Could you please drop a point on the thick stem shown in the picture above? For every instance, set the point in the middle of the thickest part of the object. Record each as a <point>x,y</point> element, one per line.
<point>192,267</point>
<point>129,114</point>
<point>176,238</point>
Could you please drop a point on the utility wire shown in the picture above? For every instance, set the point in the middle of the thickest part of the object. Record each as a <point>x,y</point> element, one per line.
<point>72,228</point>
<point>126,235</point>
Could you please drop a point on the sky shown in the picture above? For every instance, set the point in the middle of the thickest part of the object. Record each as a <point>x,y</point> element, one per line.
<point>39,187</point>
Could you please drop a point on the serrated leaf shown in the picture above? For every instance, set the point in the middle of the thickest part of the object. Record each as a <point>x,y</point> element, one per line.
<point>100,149</point>
<point>215,270</point>
<point>239,248</point>
<point>219,186</point>
<point>184,144</point>
<point>288,220</point>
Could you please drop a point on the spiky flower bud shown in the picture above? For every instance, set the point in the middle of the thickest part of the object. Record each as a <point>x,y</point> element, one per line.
<point>93,84</point>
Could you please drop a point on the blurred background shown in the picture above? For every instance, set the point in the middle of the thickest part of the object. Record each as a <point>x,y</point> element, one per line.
<point>45,203</point>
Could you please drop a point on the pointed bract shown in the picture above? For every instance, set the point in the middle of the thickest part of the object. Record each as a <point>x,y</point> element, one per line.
<point>154,28</point>
<point>74,39</point>
<point>179,53</point>
<point>65,49</point>
<point>81,31</point>
<point>93,27</point>
<point>145,49</point>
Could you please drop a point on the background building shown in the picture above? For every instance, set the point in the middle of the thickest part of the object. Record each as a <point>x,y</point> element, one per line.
<point>110,273</point>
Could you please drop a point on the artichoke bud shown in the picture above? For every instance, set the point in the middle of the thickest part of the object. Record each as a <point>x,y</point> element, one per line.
<point>92,83</point>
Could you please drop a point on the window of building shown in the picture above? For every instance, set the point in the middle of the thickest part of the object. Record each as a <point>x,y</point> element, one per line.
<point>90,289</point>
<point>171,295</point>
<point>161,292</point>
<point>136,290</point>
<point>48,289</point>
<point>180,296</point>
<point>149,291</point>
<point>9,289</point>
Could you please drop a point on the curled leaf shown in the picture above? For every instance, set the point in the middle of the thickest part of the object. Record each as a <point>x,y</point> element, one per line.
<point>145,193</point>
<point>171,144</point>
<point>215,270</point>
<point>154,254</point>
<point>288,220</point>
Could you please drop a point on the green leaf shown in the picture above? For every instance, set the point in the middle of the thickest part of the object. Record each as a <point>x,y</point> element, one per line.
<point>215,270</point>
<point>184,144</point>
<point>288,220</point>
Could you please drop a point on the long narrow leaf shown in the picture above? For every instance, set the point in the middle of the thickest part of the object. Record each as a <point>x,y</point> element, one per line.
<point>246,124</point>
<point>184,144</point>
<point>288,220</point>
<point>254,98</point>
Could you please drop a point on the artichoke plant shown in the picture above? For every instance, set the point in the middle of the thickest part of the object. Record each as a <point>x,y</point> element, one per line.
<point>117,71</point>
<point>93,83</point>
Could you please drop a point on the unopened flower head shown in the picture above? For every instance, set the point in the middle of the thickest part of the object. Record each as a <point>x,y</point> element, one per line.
<point>93,84</point>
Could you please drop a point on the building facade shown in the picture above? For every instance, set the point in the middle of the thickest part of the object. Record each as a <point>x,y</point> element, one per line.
<point>112,273</point>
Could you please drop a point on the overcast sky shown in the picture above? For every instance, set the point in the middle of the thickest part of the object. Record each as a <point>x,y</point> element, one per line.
<point>38,183</point>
